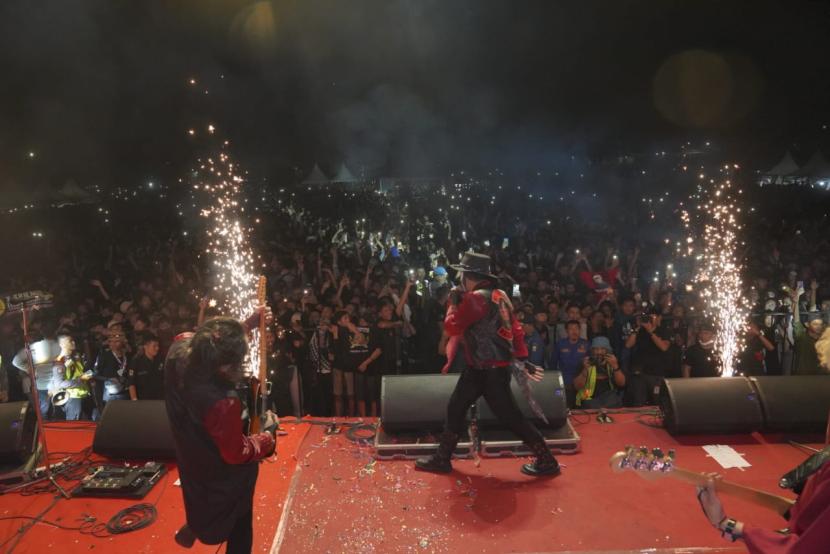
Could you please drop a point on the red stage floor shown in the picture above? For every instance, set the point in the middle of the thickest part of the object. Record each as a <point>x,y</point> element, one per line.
<point>327,494</point>
<point>272,486</point>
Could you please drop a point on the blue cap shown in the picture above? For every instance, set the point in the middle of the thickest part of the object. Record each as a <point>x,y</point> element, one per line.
<point>601,342</point>
<point>439,271</point>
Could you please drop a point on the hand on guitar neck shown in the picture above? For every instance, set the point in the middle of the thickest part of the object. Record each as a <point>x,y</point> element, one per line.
<point>654,464</point>
<point>253,321</point>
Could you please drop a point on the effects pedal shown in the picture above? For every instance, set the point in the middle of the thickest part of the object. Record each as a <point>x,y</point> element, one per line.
<point>120,481</point>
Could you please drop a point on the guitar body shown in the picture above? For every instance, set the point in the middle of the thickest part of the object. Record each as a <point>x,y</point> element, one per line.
<point>259,389</point>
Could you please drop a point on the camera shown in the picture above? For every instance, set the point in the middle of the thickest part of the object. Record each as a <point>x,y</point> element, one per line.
<point>644,319</point>
<point>596,361</point>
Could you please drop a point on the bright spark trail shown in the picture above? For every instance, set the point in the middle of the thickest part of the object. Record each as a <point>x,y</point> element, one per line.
<point>229,250</point>
<point>716,219</point>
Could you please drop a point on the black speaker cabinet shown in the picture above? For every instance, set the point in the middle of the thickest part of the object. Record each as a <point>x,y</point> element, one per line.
<point>549,394</point>
<point>710,405</point>
<point>18,430</point>
<point>415,402</point>
<point>134,430</point>
<point>794,403</point>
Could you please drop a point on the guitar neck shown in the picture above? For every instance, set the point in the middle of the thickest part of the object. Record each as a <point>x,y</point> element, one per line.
<point>263,356</point>
<point>778,504</point>
<point>263,342</point>
<point>259,385</point>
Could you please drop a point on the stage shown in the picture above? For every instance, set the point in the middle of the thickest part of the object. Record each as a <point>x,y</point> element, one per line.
<point>325,493</point>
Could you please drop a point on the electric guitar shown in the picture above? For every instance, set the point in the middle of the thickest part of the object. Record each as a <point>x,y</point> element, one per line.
<point>259,383</point>
<point>654,464</point>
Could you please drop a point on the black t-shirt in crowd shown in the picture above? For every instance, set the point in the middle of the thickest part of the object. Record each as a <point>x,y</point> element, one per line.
<point>351,349</point>
<point>647,357</point>
<point>704,363</point>
<point>147,376</point>
<point>751,360</point>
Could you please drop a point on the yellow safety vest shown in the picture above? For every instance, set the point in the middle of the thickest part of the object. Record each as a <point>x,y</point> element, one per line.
<point>587,392</point>
<point>73,370</point>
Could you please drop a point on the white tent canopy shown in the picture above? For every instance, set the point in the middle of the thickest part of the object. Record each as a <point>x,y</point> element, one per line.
<point>786,166</point>
<point>344,175</point>
<point>816,167</point>
<point>316,177</point>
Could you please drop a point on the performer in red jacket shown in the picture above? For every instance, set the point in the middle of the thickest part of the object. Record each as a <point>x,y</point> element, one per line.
<point>218,464</point>
<point>492,340</point>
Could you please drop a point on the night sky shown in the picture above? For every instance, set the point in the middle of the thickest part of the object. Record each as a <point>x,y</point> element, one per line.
<point>98,90</point>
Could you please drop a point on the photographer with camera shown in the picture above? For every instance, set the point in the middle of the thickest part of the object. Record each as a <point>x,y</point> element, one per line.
<point>648,359</point>
<point>601,381</point>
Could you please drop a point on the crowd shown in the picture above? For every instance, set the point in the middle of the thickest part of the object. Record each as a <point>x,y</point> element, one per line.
<point>355,298</point>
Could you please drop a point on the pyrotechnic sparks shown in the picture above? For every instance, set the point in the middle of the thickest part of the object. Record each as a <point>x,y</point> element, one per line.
<point>717,221</point>
<point>228,246</point>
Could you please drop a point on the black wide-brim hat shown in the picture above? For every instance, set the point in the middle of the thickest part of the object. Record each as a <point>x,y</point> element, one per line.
<point>473,262</point>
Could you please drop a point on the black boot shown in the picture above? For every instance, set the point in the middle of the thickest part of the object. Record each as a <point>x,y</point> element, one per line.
<point>544,464</point>
<point>185,537</point>
<point>440,461</point>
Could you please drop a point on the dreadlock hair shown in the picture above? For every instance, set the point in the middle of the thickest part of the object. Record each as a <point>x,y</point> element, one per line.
<point>218,342</point>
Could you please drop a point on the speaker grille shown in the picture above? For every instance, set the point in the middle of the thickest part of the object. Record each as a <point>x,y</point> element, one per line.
<point>135,429</point>
<point>710,405</point>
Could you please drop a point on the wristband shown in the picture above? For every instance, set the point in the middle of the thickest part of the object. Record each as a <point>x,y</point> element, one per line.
<point>729,529</point>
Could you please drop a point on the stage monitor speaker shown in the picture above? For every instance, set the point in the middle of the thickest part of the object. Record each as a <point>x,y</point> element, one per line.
<point>710,405</point>
<point>794,403</point>
<point>415,402</point>
<point>134,430</point>
<point>18,430</point>
<point>549,394</point>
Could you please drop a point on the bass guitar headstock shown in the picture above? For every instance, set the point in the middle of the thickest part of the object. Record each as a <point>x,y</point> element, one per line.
<point>649,464</point>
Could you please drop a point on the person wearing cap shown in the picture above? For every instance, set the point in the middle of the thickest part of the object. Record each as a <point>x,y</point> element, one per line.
<point>805,360</point>
<point>700,359</point>
<point>601,381</point>
<point>483,328</point>
<point>439,280</point>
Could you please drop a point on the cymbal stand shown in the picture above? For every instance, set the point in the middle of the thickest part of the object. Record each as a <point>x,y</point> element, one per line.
<point>36,404</point>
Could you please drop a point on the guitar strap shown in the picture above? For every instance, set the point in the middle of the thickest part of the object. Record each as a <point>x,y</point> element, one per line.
<point>796,478</point>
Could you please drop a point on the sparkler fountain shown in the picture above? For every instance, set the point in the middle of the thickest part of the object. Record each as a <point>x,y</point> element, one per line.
<point>716,222</point>
<point>233,262</point>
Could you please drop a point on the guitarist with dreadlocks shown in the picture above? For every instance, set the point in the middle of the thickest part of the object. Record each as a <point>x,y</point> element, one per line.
<point>218,464</point>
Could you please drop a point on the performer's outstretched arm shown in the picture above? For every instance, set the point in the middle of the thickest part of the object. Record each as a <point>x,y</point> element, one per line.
<point>223,423</point>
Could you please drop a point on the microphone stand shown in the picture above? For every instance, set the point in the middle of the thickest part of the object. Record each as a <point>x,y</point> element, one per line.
<point>36,403</point>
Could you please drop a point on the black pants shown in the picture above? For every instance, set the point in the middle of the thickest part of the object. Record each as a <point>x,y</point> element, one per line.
<point>241,539</point>
<point>640,389</point>
<point>494,385</point>
<point>323,395</point>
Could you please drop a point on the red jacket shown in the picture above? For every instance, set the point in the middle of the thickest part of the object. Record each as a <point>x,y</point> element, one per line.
<point>809,523</point>
<point>472,308</point>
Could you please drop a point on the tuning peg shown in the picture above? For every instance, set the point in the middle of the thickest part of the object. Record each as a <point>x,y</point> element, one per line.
<point>672,454</point>
<point>657,453</point>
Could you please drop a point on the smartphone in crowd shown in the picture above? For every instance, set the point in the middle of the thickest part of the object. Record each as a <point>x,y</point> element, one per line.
<point>516,291</point>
